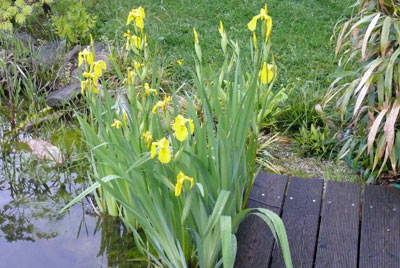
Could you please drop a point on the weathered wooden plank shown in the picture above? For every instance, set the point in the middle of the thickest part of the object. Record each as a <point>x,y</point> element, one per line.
<point>301,211</point>
<point>380,228</point>
<point>338,235</point>
<point>255,240</point>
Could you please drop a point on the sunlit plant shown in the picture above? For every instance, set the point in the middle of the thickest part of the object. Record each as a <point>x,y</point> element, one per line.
<point>17,11</point>
<point>368,87</point>
<point>182,171</point>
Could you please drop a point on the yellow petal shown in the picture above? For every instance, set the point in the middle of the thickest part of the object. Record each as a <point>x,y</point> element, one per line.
<point>264,11</point>
<point>90,58</point>
<point>80,59</point>
<point>191,181</point>
<point>252,24</point>
<point>125,117</point>
<point>155,107</point>
<point>221,28</point>
<point>98,68</point>
<point>267,73</point>
<point>191,126</point>
<point>164,155</point>
<point>196,36</point>
<point>269,27</point>
<point>153,149</point>
<point>138,42</point>
<point>139,22</point>
<point>178,121</point>
<point>178,189</point>
<point>181,133</point>
<point>141,12</point>
<point>117,124</point>
<point>129,20</point>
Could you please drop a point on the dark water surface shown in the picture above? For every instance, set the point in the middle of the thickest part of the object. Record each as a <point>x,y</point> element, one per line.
<point>32,231</point>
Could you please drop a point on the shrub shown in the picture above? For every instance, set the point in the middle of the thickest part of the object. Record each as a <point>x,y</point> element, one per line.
<point>75,25</point>
<point>181,169</point>
<point>17,11</point>
<point>367,86</point>
<point>316,141</point>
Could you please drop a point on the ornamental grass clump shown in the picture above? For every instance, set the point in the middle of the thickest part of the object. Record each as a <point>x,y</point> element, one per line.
<point>182,171</point>
<point>368,87</point>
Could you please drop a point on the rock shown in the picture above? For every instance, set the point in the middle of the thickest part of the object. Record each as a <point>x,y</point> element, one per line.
<point>49,54</point>
<point>61,96</point>
<point>45,150</point>
<point>102,52</point>
<point>75,74</point>
<point>26,39</point>
<point>72,55</point>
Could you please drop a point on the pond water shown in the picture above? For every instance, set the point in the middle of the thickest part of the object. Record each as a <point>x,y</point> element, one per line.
<point>32,231</point>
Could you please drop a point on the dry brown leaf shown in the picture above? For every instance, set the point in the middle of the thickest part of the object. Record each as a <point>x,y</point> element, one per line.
<point>368,74</point>
<point>340,39</point>
<point>389,126</point>
<point>361,97</point>
<point>389,130</point>
<point>285,140</point>
<point>45,150</point>
<point>368,34</point>
<point>354,37</point>
<point>374,128</point>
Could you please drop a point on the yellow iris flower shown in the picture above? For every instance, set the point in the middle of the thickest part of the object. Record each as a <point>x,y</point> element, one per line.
<point>132,39</point>
<point>148,138</point>
<point>148,90</point>
<point>267,73</point>
<point>85,55</point>
<point>180,128</point>
<point>255,40</point>
<point>262,16</point>
<point>196,36</point>
<point>85,85</point>
<point>137,15</point>
<point>180,179</point>
<point>162,104</point>
<point>117,124</point>
<point>162,148</point>
<point>125,117</point>
<point>137,65</point>
<point>98,68</point>
<point>221,29</point>
<point>92,77</point>
<point>131,74</point>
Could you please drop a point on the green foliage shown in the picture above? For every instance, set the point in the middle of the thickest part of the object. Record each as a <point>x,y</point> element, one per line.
<point>180,168</point>
<point>368,84</point>
<point>75,25</point>
<point>17,12</point>
<point>316,141</point>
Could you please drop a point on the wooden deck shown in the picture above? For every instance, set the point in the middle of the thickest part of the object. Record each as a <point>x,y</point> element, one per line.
<point>329,224</point>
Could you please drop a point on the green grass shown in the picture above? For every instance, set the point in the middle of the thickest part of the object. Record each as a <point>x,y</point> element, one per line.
<point>301,43</point>
<point>300,39</point>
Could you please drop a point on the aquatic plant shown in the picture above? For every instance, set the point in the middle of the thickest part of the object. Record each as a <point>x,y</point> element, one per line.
<point>179,168</point>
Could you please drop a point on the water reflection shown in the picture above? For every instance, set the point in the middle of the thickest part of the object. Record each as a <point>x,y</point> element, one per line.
<point>34,234</point>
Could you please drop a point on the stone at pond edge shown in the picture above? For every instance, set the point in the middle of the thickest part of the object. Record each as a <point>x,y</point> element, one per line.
<point>48,54</point>
<point>62,96</point>
<point>25,38</point>
<point>45,150</point>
